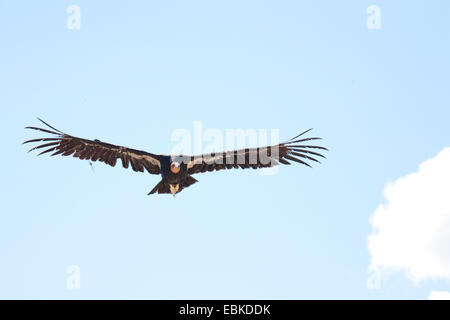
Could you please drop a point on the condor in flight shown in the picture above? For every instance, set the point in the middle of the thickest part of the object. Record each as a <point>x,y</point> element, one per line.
<point>177,170</point>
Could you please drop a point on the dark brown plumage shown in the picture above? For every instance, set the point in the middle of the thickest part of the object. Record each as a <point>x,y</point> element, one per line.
<point>176,170</point>
<point>262,157</point>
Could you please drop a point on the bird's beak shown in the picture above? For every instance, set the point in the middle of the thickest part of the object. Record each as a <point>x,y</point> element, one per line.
<point>175,169</point>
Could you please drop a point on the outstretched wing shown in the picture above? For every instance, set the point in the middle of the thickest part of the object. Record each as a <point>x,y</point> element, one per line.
<point>297,149</point>
<point>94,150</point>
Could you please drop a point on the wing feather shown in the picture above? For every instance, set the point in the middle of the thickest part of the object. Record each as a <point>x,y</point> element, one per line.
<point>296,149</point>
<point>93,150</point>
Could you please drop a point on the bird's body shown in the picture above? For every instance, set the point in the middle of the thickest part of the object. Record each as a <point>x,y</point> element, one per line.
<point>176,170</point>
<point>175,176</point>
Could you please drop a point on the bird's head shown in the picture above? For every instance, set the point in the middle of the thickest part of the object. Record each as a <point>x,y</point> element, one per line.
<point>175,167</point>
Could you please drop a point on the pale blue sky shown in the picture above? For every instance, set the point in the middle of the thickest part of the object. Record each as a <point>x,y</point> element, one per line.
<point>136,72</point>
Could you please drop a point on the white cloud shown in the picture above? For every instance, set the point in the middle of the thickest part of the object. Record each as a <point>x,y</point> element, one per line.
<point>439,295</point>
<point>411,232</point>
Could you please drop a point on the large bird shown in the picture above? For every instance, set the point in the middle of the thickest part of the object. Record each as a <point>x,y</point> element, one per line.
<point>177,170</point>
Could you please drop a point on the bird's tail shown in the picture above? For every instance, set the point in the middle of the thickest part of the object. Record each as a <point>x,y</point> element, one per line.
<point>162,187</point>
